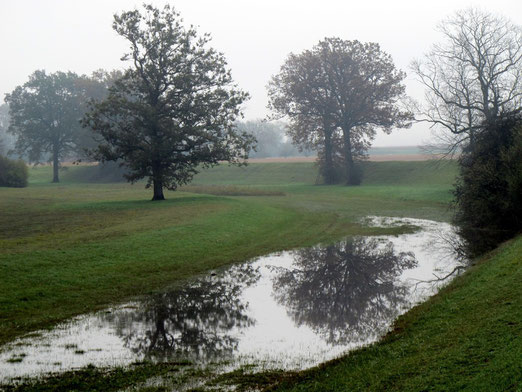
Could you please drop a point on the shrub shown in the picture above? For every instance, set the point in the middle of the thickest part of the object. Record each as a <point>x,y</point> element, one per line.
<point>13,173</point>
<point>488,194</point>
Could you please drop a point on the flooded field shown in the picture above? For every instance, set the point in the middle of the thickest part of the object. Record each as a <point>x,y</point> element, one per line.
<point>289,310</point>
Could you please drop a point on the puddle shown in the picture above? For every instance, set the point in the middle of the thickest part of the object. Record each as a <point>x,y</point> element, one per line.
<point>289,310</point>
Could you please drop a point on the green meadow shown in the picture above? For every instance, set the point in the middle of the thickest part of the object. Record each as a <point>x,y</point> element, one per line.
<point>78,246</point>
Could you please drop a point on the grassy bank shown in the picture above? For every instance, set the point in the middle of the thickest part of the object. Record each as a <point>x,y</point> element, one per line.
<point>466,338</point>
<point>74,247</point>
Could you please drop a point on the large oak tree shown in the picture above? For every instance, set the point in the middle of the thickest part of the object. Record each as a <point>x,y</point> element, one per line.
<point>340,86</point>
<point>174,109</point>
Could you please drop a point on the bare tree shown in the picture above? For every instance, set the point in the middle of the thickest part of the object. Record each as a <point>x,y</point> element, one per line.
<point>472,77</point>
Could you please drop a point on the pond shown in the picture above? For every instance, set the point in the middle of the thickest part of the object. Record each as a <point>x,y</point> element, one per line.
<point>288,310</point>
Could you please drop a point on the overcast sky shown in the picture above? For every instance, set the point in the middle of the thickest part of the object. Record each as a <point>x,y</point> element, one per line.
<point>255,36</point>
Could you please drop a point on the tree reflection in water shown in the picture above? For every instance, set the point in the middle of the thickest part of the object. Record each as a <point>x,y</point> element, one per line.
<point>191,322</point>
<point>347,292</point>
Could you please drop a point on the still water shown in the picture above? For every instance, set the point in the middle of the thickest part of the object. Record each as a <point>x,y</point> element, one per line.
<point>288,310</point>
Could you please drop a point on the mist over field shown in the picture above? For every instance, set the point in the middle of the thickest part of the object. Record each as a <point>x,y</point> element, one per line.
<point>255,38</point>
<point>260,196</point>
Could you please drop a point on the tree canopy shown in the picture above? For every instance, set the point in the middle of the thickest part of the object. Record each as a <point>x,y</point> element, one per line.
<point>339,91</point>
<point>44,116</point>
<point>174,109</point>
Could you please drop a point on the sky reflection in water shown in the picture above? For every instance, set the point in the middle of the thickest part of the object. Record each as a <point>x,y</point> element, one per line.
<point>286,310</point>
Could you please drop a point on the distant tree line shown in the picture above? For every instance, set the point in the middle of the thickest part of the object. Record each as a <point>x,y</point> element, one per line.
<point>4,124</point>
<point>13,173</point>
<point>176,108</point>
<point>272,140</point>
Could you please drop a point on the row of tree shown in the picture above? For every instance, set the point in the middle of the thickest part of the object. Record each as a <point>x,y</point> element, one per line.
<point>172,111</point>
<point>338,93</point>
<point>176,108</point>
<point>272,140</point>
<point>6,139</point>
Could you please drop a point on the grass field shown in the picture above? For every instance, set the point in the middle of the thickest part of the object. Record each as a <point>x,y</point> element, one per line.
<point>73,247</point>
<point>78,246</point>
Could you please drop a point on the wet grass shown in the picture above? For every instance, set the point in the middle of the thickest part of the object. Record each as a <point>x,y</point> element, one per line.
<point>75,247</point>
<point>466,338</point>
<point>94,379</point>
<point>147,376</point>
<point>245,379</point>
<point>70,248</point>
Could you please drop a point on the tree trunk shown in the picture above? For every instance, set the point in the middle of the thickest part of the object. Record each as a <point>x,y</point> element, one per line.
<point>56,164</point>
<point>329,172</point>
<point>348,158</point>
<point>158,190</point>
<point>472,140</point>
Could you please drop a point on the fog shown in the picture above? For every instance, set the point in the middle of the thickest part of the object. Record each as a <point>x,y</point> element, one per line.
<point>256,37</point>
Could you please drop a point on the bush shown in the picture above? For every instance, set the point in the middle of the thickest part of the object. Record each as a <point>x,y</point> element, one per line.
<point>13,173</point>
<point>488,194</point>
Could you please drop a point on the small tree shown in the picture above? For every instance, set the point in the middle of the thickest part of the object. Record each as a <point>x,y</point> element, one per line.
<point>174,110</point>
<point>13,173</point>
<point>341,85</point>
<point>472,77</point>
<point>44,116</point>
